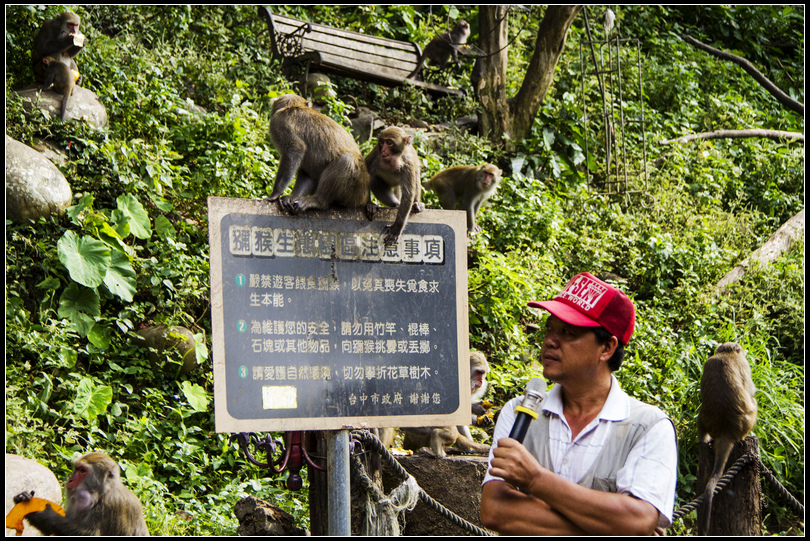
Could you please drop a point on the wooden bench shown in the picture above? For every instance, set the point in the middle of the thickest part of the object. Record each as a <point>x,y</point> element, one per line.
<point>299,46</point>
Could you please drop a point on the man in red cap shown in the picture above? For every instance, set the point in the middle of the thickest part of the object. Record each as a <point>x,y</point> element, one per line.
<point>595,461</point>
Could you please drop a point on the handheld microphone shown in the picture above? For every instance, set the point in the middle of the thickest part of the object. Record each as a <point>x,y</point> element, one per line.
<point>526,412</point>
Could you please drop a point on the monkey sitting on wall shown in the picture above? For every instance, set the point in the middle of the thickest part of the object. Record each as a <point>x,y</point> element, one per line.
<point>325,157</point>
<point>435,441</point>
<point>468,185</point>
<point>443,47</point>
<point>728,410</point>
<point>97,503</point>
<point>393,166</point>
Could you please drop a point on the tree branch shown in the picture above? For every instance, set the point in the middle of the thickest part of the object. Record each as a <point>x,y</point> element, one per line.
<point>771,250</point>
<point>736,134</point>
<point>783,98</point>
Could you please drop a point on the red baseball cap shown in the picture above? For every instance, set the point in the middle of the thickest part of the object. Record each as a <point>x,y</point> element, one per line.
<point>587,301</point>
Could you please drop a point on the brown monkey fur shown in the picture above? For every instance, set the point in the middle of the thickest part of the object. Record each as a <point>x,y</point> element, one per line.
<point>468,185</point>
<point>728,410</point>
<point>97,503</point>
<point>59,76</point>
<point>395,177</point>
<point>330,168</point>
<point>444,47</point>
<point>434,441</point>
<point>59,39</point>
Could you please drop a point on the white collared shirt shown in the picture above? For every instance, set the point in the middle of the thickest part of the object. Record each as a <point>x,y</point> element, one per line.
<point>650,472</point>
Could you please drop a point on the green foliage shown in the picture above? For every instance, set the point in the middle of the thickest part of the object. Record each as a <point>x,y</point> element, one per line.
<point>187,90</point>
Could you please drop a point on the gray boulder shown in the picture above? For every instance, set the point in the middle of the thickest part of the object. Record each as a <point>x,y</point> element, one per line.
<point>83,105</point>
<point>34,186</point>
<point>24,474</point>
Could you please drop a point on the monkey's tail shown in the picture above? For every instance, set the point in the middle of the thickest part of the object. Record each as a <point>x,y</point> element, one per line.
<point>722,449</point>
<point>417,72</point>
<point>65,99</point>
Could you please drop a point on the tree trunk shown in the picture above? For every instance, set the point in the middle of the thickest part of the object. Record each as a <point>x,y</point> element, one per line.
<point>540,74</point>
<point>502,120</point>
<point>492,30</point>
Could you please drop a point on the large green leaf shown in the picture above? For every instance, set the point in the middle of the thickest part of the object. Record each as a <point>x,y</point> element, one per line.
<point>120,278</point>
<point>86,259</point>
<point>76,299</point>
<point>196,396</point>
<point>138,218</point>
<point>91,399</point>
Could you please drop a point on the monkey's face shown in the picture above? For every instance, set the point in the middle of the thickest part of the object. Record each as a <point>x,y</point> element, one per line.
<point>391,151</point>
<point>478,379</point>
<point>70,22</point>
<point>81,492</point>
<point>79,474</point>
<point>488,177</point>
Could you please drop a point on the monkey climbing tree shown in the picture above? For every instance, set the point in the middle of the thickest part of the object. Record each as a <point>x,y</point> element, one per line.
<point>613,107</point>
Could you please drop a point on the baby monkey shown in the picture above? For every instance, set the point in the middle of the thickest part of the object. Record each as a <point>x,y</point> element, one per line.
<point>61,78</point>
<point>728,410</point>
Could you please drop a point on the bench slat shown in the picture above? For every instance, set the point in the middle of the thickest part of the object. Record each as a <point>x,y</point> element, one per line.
<point>333,43</point>
<point>356,55</point>
<point>288,24</point>
<point>350,51</point>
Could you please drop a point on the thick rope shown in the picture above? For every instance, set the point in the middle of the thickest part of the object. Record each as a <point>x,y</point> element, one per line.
<point>380,449</point>
<point>382,513</point>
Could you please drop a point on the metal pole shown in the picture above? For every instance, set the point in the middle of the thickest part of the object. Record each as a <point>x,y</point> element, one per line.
<point>337,471</point>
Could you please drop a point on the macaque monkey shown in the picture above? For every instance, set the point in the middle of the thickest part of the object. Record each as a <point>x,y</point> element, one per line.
<point>728,410</point>
<point>59,76</point>
<point>326,158</point>
<point>395,177</point>
<point>468,185</point>
<point>479,368</point>
<point>60,40</point>
<point>97,503</point>
<point>444,47</point>
<point>434,441</point>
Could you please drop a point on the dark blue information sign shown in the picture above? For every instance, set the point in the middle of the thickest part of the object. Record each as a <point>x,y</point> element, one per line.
<point>318,325</point>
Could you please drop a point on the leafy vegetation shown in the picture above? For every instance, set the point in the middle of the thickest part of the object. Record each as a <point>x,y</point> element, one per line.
<point>132,251</point>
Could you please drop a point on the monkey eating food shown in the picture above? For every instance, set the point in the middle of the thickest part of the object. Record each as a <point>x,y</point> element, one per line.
<point>58,40</point>
<point>468,185</point>
<point>444,47</point>
<point>395,177</point>
<point>728,410</point>
<point>435,441</point>
<point>329,166</point>
<point>97,503</point>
